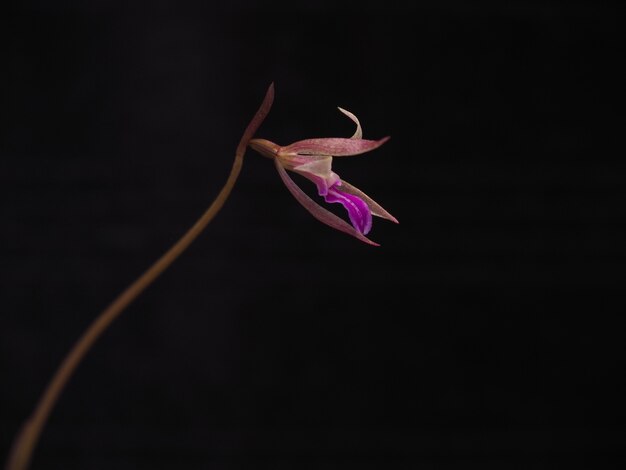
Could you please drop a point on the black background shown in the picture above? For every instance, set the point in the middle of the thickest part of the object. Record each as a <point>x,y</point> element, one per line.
<point>486,331</point>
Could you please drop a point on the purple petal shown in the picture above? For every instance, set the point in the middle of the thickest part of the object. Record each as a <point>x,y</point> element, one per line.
<point>375,208</point>
<point>333,146</point>
<point>359,213</point>
<point>318,211</point>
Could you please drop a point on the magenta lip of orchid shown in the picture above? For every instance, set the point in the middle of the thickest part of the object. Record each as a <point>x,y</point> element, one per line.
<point>312,158</point>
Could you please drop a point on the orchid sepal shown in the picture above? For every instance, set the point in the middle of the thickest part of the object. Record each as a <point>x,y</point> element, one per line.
<point>331,146</point>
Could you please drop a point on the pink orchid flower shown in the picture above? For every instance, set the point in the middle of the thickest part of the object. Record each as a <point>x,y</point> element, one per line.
<point>312,158</point>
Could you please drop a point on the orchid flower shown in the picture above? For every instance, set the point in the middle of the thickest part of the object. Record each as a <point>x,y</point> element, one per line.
<point>312,158</point>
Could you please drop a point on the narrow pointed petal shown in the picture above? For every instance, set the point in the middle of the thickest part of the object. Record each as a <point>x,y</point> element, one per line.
<point>374,207</point>
<point>358,134</point>
<point>333,146</point>
<point>359,213</point>
<point>318,211</point>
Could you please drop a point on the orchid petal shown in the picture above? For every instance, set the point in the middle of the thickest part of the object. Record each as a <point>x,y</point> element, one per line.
<point>358,134</point>
<point>333,146</point>
<point>374,207</point>
<point>318,211</point>
<point>359,213</point>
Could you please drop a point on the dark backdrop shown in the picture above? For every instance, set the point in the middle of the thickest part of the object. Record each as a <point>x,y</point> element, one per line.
<point>486,330</point>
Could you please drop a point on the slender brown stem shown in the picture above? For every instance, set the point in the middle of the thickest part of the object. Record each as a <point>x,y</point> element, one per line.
<point>25,441</point>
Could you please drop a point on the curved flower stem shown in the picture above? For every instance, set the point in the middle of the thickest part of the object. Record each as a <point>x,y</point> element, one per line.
<point>25,441</point>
